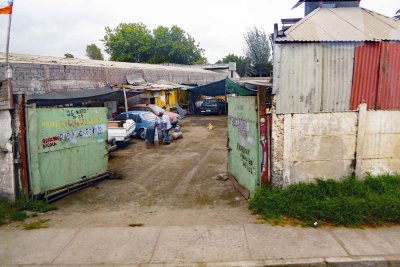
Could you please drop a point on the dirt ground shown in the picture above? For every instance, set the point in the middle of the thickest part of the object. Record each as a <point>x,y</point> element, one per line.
<point>165,186</point>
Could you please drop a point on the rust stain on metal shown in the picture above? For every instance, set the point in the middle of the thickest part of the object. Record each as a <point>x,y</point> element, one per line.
<point>376,79</point>
<point>366,75</point>
<point>389,77</point>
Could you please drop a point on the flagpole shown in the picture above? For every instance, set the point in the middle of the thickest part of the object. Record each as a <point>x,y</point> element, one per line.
<point>8,70</point>
<point>8,38</point>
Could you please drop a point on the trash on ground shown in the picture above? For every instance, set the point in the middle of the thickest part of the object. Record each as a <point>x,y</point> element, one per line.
<point>136,225</point>
<point>222,177</point>
<point>177,135</point>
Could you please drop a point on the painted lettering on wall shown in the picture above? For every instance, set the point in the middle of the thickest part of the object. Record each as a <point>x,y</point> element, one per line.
<point>245,157</point>
<point>50,141</point>
<point>76,113</point>
<point>71,123</point>
<point>242,126</point>
<point>73,136</point>
<point>83,133</point>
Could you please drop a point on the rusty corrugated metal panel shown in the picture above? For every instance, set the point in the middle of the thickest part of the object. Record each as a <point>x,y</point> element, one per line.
<point>389,77</point>
<point>366,75</point>
<point>343,24</point>
<point>314,78</point>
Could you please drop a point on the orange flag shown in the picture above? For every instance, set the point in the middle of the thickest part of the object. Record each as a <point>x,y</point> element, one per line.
<point>6,7</point>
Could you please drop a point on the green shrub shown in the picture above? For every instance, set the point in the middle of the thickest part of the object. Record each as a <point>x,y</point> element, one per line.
<point>348,202</point>
<point>16,211</point>
<point>17,215</point>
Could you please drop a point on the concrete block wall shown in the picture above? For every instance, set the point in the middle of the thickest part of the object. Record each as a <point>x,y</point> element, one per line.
<point>41,78</point>
<point>7,182</point>
<point>381,143</point>
<point>334,145</point>
<point>38,74</point>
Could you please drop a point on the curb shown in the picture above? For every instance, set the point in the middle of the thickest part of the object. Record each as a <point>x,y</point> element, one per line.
<point>375,261</point>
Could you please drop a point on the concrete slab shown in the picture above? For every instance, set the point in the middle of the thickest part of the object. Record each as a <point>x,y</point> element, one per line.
<point>357,261</point>
<point>276,242</point>
<point>359,242</point>
<point>314,262</point>
<point>172,265</point>
<point>33,247</point>
<point>201,244</point>
<point>236,264</point>
<point>110,246</point>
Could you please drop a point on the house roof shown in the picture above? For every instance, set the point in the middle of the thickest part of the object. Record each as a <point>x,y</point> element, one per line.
<point>343,25</point>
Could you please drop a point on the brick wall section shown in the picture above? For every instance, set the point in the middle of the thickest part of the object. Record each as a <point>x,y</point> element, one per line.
<point>40,77</point>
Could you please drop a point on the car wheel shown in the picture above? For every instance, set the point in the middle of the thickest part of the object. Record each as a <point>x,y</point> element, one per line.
<point>142,134</point>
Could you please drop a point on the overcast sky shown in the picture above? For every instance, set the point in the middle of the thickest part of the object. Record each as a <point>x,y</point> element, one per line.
<point>55,27</point>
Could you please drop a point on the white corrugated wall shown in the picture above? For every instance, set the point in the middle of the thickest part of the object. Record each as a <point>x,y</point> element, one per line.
<point>313,77</point>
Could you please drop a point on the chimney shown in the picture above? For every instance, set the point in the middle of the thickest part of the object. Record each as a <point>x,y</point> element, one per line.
<point>311,5</point>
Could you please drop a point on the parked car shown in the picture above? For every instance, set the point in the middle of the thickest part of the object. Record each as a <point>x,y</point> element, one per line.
<point>213,106</point>
<point>143,120</point>
<point>156,110</point>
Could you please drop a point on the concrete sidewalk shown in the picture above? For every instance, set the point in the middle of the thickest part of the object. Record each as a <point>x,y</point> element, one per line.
<point>231,245</point>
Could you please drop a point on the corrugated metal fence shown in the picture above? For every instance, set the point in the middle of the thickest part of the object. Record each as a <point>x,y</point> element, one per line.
<point>377,76</point>
<point>314,77</point>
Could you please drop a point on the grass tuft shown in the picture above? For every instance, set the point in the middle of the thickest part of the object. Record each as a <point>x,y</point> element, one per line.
<point>17,211</point>
<point>18,215</point>
<point>36,225</point>
<point>349,202</point>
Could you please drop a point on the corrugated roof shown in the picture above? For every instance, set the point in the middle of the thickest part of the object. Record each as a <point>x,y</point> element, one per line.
<point>341,25</point>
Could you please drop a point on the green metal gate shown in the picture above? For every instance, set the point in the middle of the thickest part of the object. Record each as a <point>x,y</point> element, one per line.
<point>65,146</point>
<point>243,155</point>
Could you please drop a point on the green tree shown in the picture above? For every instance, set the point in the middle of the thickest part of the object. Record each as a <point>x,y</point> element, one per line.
<point>258,50</point>
<point>174,45</point>
<point>243,66</point>
<point>93,52</point>
<point>68,55</point>
<point>133,42</point>
<point>129,42</point>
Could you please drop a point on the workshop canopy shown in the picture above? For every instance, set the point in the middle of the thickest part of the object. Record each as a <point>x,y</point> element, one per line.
<point>211,89</point>
<point>71,97</point>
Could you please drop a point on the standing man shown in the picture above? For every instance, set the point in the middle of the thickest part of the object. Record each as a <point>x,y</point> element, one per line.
<point>166,126</point>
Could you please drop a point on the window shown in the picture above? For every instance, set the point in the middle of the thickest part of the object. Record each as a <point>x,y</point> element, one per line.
<point>120,117</point>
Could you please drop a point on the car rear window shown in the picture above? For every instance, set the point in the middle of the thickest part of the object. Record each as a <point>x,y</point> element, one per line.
<point>149,116</point>
<point>120,117</point>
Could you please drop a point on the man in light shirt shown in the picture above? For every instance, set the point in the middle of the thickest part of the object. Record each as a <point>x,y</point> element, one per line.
<point>165,126</point>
